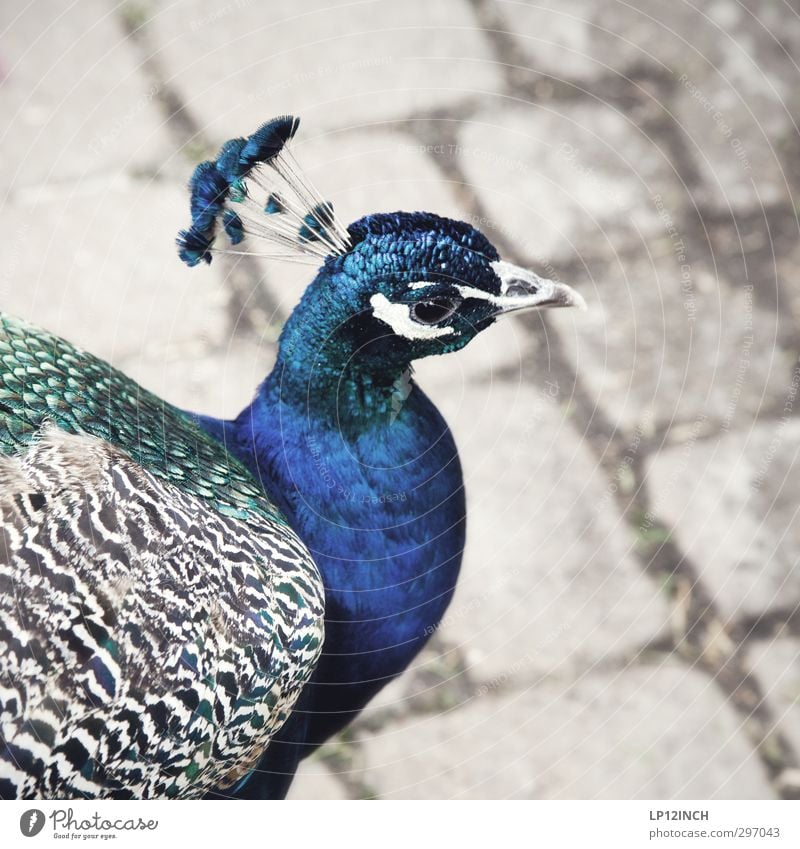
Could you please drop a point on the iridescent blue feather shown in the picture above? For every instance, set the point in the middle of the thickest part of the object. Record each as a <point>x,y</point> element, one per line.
<point>268,141</point>
<point>209,189</point>
<point>233,227</point>
<point>193,247</point>
<point>299,223</point>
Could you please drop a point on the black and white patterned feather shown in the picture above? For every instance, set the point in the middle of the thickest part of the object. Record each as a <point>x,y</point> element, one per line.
<point>149,645</point>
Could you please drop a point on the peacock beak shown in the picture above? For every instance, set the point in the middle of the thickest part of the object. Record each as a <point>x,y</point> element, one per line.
<point>521,289</point>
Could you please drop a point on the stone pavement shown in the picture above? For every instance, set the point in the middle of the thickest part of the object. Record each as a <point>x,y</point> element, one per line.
<point>627,623</point>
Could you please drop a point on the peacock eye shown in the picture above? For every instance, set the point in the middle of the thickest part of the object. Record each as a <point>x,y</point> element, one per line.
<point>434,310</point>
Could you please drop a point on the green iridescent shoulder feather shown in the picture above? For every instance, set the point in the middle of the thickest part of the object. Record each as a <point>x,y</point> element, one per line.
<point>45,379</point>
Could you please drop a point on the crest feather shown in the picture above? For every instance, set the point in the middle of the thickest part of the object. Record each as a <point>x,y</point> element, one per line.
<point>255,188</point>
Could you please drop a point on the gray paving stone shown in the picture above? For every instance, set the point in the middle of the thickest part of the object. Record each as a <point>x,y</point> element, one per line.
<point>72,96</point>
<point>435,681</point>
<point>95,262</point>
<point>660,732</point>
<point>733,505</point>
<point>736,132</point>
<point>315,781</point>
<point>728,66</point>
<point>334,63</point>
<point>584,39</point>
<point>666,340</point>
<point>549,581</point>
<point>377,170</point>
<point>759,248</point>
<point>219,381</point>
<point>776,664</point>
<point>737,156</point>
<point>561,180</point>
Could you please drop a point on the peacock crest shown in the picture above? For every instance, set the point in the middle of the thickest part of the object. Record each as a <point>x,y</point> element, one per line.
<point>255,187</point>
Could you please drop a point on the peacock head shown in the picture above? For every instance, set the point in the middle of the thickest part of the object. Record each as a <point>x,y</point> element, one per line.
<point>400,286</point>
<point>423,284</point>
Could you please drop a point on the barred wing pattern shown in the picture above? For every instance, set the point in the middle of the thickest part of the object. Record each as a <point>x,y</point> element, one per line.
<point>150,647</point>
<point>158,617</point>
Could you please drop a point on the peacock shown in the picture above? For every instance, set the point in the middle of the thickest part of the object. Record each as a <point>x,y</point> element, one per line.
<point>189,605</point>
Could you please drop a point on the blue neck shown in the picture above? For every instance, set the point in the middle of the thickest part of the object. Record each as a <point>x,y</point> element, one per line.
<point>367,473</point>
<point>330,368</point>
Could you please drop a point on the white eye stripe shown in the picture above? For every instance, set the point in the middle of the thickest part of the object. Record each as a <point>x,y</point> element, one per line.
<point>469,292</point>
<point>466,292</point>
<point>398,317</point>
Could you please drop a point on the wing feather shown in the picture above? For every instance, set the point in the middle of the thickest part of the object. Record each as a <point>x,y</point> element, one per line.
<point>147,646</point>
